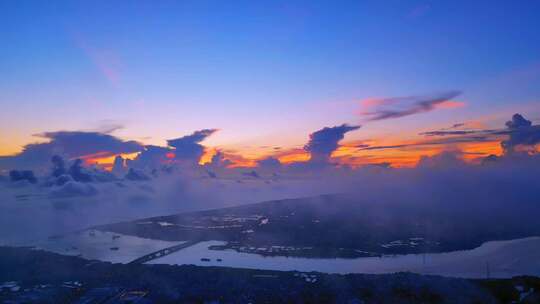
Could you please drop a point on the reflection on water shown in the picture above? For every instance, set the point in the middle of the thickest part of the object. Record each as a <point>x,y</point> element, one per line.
<point>497,259</point>
<point>104,246</point>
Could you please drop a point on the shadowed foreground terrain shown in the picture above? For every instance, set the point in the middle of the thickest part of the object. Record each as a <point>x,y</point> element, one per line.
<point>31,276</point>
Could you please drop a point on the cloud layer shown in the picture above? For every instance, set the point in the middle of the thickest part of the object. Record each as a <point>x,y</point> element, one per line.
<point>69,144</point>
<point>72,197</point>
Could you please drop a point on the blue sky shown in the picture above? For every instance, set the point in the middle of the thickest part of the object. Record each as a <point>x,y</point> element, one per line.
<point>263,72</point>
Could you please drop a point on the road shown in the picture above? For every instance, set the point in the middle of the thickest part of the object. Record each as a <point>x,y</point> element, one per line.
<point>162,252</point>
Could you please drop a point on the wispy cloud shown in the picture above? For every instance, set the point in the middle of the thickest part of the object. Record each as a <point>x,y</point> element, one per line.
<point>435,142</point>
<point>391,108</point>
<point>106,61</point>
<point>455,126</point>
<point>455,132</point>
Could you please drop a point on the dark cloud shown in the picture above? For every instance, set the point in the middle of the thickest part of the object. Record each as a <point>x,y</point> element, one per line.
<point>79,173</point>
<point>59,166</point>
<point>404,106</point>
<point>455,126</point>
<point>150,157</point>
<point>186,149</point>
<point>119,165</point>
<point>189,147</point>
<point>69,144</point>
<point>251,174</point>
<point>219,160</point>
<point>269,163</point>
<point>325,141</point>
<point>218,165</point>
<point>521,133</point>
<point>76,144</point>
<point>361,146</point>
<point>24,175</point>
<point>518,122</point>
<point>136,175</point>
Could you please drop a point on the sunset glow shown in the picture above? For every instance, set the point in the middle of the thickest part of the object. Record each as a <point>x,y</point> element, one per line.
<point>195,151</point>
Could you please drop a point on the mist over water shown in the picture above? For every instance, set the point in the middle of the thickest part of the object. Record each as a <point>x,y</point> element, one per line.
<point>505,190</point>
<point>30,212</point>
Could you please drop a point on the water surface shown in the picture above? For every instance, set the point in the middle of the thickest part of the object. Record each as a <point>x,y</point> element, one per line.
<point>497,259</point>
<point>104,246</point>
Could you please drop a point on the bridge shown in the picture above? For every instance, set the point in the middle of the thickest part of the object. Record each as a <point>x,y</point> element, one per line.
<point>163,252</point>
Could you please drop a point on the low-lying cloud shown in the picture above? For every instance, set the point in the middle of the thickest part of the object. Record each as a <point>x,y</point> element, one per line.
<point>69,144</point>
<point>506,186</point>
<point>521,133</point>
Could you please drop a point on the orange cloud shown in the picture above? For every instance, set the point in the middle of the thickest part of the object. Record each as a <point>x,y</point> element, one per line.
<point>294,157</point>
<point>105,159</point>
<point>450,104</point>
<point>207,156</point>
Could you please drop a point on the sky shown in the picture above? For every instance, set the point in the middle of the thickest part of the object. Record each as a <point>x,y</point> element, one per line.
<point>265,75</point>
